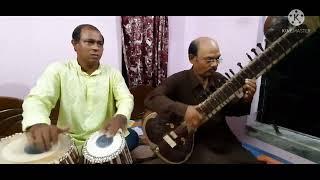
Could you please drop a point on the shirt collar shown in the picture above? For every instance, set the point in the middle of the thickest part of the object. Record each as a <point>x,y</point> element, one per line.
<point>195,81</point>
<point>79,70</point>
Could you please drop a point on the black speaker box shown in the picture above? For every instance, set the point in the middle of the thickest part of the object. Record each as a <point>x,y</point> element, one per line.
<point>290,92</point>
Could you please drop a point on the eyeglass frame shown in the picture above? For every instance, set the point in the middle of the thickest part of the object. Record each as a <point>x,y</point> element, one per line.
<point>211,60</point>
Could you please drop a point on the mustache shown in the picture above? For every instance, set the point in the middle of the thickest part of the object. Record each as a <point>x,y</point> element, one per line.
<point>213,69</point>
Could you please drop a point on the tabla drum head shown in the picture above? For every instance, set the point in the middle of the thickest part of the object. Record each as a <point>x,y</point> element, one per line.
<point>12,150</point>
<point>99,148</point>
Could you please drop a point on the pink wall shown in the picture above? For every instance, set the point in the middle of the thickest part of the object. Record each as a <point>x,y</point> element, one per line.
<point>29,44</point>
<point>177,51</point>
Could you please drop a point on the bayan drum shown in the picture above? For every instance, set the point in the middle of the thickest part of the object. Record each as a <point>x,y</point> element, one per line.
<point>106,150</point>
<point>13,150</point>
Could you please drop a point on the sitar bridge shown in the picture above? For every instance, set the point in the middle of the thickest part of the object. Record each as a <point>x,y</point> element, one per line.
<point>169,140</point>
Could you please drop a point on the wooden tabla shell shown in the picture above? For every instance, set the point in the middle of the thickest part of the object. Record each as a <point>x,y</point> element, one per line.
<point>11,151</point>
<point>116,153</point>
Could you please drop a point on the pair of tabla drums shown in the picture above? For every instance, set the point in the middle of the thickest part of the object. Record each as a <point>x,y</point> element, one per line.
<point>97,149</point>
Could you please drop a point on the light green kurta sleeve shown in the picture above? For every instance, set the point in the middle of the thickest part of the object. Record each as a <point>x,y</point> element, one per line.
<point>42,98</point>
<point>122,95</point>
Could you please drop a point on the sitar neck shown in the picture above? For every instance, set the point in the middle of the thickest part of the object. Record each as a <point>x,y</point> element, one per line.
<point>258,66</point>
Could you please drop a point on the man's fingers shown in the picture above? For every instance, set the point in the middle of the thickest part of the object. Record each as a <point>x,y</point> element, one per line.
<point>200,118</point>
<point>248,89</point>
<point>190,124</point>
<point>30,137</point>
<point>38,141</point>
<point>245,96</point>
<point>105,128</point>
<point>250,83</point>
<point>113,132</point>
<point>62,130</point>
<point>113,129</point>
<point>46,139</point>
<point>195,123</point>
<point>108,126</point>
<point>33,135</point>
<point>250,80</point>
<point>251,87</point>
<point>54,134</point>
<point>109,132</point>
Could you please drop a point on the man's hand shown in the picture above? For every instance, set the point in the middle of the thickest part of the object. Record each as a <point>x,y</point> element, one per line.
<point>116,122</point>
<point>192,118</point>
<point>42,136</point>
<point>249,89</point>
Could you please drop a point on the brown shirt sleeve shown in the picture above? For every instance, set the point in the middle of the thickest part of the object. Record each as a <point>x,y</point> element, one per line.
<point>161,99</point>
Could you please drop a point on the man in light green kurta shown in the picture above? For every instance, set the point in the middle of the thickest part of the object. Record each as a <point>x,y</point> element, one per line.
<point>92,96</point>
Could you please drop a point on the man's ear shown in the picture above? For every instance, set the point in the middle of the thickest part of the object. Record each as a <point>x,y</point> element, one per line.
<point>73,42</point>
<point>192,58</point>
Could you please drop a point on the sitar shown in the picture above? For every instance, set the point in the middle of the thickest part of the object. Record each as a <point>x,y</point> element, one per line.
<point>173,142</point>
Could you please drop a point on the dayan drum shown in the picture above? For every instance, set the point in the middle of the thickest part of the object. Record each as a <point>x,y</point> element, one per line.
<point>106,150</point>
<point>14,150</point>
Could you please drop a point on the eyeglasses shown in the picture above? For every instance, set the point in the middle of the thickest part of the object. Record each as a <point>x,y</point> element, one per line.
<point>211,60</point>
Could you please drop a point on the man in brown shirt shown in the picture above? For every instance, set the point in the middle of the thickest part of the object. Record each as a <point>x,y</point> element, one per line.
<point>179,94</point>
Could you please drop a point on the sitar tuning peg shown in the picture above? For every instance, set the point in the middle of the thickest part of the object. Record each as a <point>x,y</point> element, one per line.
<point>254,51</point>
<point>260,46</point>
<point>239,64</point>
<point>231,72</point>
<point>227,75</point>
<point>249,57</point>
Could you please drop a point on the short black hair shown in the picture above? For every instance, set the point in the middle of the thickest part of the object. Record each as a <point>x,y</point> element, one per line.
<point>193,48</point>
<point>76,34</point>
